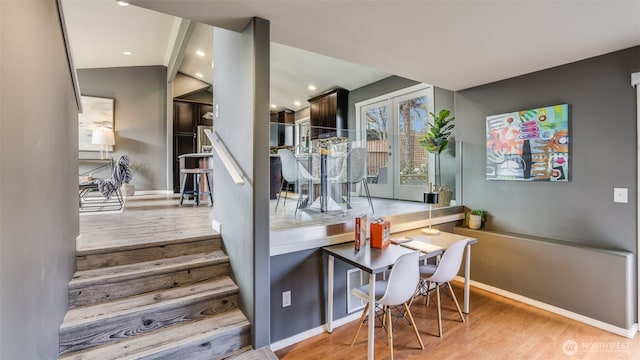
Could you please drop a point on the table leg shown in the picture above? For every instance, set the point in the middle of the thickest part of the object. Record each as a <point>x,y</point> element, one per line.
<point>330,294</point>
<point>372,316</point>
<point>467,275</point>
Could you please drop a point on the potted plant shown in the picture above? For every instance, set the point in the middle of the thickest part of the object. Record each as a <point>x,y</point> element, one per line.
<point>475,218</point>
<point>435,141</point>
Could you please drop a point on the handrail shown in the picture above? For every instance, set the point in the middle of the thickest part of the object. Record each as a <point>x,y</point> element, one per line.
<point>227,160</point>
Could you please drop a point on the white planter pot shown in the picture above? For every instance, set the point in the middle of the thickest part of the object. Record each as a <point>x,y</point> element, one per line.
<point>475,221</point>
<point>128,189</point>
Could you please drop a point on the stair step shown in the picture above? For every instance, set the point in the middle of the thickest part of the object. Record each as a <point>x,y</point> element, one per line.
<point>264,353</point>
<point>99,285</point>
<point>122,255</point>
<point>210,338</point>
<point>93,325</point>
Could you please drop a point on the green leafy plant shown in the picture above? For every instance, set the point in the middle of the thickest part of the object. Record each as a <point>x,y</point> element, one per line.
<point>436,140</point>
<point>478,212</point>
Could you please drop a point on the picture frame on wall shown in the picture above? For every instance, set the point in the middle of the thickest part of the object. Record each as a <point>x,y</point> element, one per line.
<point>97,114</point>
<point>529,145</point>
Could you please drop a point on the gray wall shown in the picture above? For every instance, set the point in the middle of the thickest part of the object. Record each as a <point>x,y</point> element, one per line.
<point>602,116</point>
<point>139,118</point>
<point>38,180</point>
<point>242,77</point>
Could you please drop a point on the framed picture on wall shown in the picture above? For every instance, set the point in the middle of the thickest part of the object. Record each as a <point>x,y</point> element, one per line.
<point>529,145</point>
<point>97,114</point>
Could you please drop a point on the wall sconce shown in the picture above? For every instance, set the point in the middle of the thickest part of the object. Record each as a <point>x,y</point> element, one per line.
<point>104,139</point>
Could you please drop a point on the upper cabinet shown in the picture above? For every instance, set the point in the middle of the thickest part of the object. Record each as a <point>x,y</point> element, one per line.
<point>328,114</point>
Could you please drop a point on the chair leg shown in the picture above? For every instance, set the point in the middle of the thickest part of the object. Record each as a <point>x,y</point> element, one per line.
<point>196,188</point>
<point>439,310</point>
<point>366,189</point>
<point>456,302</point>
<point>209,187</point>
<point>390,331</point>
<point>184,183</point>
<point>364,315</point>
<point>413,325</point>
<point>279,193</point>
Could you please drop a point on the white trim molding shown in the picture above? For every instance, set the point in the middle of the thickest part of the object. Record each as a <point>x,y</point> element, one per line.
<point>281,344</point>
<point>628,333</point>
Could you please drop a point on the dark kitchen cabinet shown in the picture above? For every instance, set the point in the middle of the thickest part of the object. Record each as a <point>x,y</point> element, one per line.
<point>328,114</point>
<point>187,116</point>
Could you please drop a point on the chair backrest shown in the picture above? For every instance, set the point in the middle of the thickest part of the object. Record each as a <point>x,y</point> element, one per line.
<point>403,279</point>
<point>289,165</point>
<point>358,160</point>
<point>449,263</point>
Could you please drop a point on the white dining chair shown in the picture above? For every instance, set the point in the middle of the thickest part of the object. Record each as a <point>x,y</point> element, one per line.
<point>441,275</point>
<point>293,173</point>
<point>395,291</point>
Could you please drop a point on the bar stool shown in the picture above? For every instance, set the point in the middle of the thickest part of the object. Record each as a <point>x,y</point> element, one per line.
<point>197,182</point>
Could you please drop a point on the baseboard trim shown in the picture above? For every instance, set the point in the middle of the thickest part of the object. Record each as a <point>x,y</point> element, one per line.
<point>281,344</point>
<point>628,333</point>
<point>153,192</point>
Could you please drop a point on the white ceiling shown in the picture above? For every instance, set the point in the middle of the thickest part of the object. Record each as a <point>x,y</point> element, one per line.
<point>451,44</point>
<point>118,28</point>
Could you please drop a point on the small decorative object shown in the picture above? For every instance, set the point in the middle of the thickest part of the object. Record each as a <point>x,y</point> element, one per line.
<point>475,218</point>
<point>529,145</point>
<point>435,141</point>
<point>361,231</point>
<point>430,198</point>
<point>379,233</point>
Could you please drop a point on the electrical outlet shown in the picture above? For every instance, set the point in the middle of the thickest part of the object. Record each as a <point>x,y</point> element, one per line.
<point>216,226</point>
<point>620,195</point>
<point>286,298</point>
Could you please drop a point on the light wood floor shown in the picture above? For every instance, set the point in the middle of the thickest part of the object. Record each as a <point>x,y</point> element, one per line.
<point>497,328</point>
<point>146,219</point>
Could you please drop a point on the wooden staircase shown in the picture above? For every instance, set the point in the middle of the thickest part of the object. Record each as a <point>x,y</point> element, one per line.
<point>166,300</point>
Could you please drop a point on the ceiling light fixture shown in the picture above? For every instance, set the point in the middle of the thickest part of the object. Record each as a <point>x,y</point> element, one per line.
<point>312,87</point>
<point>200,53</point>
<point>127,53</point>
<point>199,75</point>
<point>296,103</point>
<point>123,3</point>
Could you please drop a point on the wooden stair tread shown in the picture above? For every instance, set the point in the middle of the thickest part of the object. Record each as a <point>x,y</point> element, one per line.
<point>263,353</point>
<point>89,250</point>
<point>154,344</point>
<point>137,270</point>
<point>85,314</point>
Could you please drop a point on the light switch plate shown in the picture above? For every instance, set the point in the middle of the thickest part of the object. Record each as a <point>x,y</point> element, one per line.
<point>620,195</point>
<point>286,298</point>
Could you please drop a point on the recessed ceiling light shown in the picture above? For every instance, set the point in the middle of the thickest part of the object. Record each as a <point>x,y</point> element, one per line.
<point>296,103</point>
<point>312,87</point>
<point>273,106</point>
<point>200,53</point>
<point>127,53</point>
<point>199,75</point>
<point>123,3</point>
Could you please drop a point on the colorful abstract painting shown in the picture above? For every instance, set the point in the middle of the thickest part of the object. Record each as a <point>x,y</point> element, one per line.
<point>529,145</point>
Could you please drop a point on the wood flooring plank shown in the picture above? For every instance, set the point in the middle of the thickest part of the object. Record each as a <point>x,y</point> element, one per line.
<point>496,328</point>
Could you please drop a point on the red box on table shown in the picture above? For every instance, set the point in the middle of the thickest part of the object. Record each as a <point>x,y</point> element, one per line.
<point>379,234</point>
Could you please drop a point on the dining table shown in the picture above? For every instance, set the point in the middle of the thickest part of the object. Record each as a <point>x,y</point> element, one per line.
<point>374,261</point>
